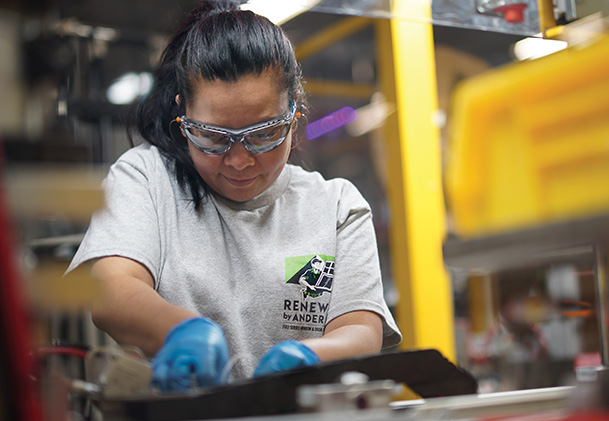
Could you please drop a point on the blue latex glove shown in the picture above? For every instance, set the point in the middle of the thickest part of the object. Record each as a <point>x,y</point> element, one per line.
<point>194,354</point>
<point>286,356</point>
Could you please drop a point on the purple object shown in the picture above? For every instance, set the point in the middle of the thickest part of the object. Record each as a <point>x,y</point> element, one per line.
<point>330,122</point>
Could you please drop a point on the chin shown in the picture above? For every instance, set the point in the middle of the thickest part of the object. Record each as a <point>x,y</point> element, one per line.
<point>238,196</point>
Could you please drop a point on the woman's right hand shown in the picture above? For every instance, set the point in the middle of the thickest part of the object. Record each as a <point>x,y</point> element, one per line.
<point>195,354</point>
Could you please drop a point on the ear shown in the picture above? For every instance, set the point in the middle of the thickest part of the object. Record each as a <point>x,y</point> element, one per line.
<point>177,100</point>
<point>297,116</point>
<point>296,137</point>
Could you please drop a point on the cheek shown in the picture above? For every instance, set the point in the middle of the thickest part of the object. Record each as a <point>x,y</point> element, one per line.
<point>286,148</point>
<point>279,159</point>
<point>194,155</point>
<point>203,163</point>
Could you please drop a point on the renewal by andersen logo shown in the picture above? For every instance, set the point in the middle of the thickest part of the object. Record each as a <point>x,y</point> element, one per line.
<point>313,273</point>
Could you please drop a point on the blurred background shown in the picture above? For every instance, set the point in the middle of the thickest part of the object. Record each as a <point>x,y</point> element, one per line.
<point>476,130</point>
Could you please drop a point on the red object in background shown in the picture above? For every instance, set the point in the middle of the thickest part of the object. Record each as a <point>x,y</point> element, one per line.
<point>20,401</point>
<point>513,13</point>
<point>587,359</point>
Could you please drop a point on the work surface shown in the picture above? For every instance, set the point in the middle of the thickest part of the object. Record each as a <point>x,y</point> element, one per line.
<point>426,372</point>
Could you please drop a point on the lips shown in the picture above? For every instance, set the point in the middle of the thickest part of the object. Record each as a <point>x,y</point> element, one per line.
<point>240,182</point>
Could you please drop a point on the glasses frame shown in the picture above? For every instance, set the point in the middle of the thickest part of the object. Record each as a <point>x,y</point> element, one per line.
<point>235,136</point>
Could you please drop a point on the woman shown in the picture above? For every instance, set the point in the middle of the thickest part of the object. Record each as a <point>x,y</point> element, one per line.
<point>207,230</point>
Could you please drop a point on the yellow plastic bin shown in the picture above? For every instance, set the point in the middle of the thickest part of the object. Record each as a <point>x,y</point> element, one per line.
<point>529,143</point>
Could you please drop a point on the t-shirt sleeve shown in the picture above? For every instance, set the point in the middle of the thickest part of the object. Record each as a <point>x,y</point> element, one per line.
<point>127,225</point>
<point>357,275</point>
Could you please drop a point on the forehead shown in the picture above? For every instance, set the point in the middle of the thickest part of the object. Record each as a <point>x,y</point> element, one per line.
<point>249,100</point>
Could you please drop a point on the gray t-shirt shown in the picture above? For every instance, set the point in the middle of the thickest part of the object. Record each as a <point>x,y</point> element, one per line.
<point>277,267</point>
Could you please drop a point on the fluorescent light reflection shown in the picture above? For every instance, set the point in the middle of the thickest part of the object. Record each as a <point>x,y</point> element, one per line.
<point>371,116</point>
<point>532,48</point>
<point>279,11</point>
<point>128,87</point>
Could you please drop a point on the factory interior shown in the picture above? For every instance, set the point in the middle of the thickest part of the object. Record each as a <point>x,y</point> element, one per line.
<point>478,132</point>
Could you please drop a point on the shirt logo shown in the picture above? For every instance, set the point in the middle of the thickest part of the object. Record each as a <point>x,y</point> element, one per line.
<point>314,274</point>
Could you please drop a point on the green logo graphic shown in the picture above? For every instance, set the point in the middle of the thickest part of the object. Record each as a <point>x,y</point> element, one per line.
<point>314,273</point>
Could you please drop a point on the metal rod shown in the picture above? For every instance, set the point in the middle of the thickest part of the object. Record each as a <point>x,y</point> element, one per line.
<point>600,285</point>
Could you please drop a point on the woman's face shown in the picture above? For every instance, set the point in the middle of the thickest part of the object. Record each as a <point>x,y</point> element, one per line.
<point>238,174</point>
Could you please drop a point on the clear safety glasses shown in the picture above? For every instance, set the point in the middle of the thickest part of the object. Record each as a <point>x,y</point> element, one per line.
<point>258,138</point>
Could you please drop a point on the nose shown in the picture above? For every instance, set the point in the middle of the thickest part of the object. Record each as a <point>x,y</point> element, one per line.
<point>238,157</point>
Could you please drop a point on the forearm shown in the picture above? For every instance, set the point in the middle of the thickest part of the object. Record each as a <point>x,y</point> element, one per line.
<point>133,313</point>
<point>351,335</point>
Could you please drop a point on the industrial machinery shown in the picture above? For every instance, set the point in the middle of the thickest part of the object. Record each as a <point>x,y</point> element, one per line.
<point>529,206</point>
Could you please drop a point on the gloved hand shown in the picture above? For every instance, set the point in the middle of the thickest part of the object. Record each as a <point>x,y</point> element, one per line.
<point>194,354</point>
<point>286,356</point>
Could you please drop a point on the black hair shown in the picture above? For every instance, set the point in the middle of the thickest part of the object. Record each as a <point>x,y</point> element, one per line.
<point>216,41</point>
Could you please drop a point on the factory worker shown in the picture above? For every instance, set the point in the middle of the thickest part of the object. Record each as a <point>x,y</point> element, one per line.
<point>208,233</point>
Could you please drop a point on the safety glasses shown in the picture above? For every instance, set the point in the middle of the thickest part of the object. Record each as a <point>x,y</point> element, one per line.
<point>258,138</point>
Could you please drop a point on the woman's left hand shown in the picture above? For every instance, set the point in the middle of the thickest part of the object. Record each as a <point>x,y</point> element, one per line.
<point>286,356</point>
<point>349,335</point>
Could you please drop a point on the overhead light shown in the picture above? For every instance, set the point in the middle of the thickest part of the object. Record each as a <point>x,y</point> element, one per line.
<point>533,47</point>
<point>128,87</point>
<point>371,116</point>
<point>279,11</point>
<point>105,34</point>
<point>71,26</point>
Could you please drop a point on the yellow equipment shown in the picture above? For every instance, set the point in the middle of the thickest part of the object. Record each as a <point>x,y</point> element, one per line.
<point>530,143</point>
